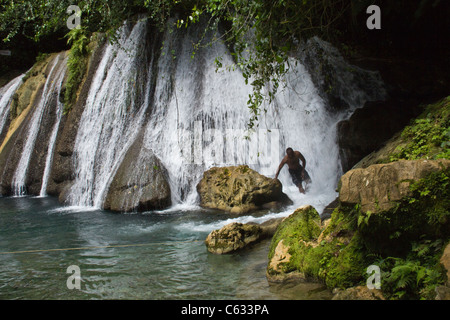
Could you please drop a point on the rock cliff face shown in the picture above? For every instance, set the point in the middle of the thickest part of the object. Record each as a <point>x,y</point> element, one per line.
<point>385,210</point>
<point>239,190</point>
<point>378,187</point>
<point>62,173</point>
<point>25,103</point>
<point>140,181</point>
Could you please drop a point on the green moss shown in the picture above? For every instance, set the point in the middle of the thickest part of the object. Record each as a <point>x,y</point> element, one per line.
<point>425,213</point>
<point>303,224</point>
<point>77,65</point>
<point>428,136</point>
<point>338,260</point>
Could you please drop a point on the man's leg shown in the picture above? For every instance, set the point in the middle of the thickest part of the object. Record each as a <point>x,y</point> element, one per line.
<point>297,179</point>
<point>300,188</point>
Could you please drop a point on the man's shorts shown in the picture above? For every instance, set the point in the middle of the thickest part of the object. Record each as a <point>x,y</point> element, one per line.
<point>296,175</point>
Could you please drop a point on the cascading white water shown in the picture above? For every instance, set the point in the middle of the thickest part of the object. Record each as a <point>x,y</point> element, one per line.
<point>51,86</point>
<point>52,140</point>
<point>112,117</point>
<point>200,115</point>
<point>6,94</point>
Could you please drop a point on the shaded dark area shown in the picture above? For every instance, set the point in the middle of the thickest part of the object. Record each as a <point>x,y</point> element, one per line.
<point>411,52</point>
<point>24,51</point>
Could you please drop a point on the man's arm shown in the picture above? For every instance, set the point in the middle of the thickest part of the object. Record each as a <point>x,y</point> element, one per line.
<point>283,162</point>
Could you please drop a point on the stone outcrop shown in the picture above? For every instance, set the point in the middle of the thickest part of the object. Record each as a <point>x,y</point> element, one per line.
<point>236,236</point>
<point>378,187</point>
<point>140,182</point>
<point>25,101</point>
<point>62,173</point>
<point>443,292</point>
<point>239,189</point>
<point>299,230</point>
<point>232,237</point>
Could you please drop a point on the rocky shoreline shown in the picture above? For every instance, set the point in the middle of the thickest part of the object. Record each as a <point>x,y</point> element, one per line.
<point>391,213</point>
<point>336,250</point>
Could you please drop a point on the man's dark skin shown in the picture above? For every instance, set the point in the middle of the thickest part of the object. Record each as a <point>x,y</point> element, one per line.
<point>292,159</point>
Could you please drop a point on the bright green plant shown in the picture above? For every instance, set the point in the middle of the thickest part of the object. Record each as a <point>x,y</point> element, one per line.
<point>76,64</point>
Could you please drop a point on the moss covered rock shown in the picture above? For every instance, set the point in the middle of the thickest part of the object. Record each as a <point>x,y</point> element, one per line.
<point>239,189</point>
<point>405,241</point>
<point>427,137</point>
<point>305,248</point>
<point>232,237</point>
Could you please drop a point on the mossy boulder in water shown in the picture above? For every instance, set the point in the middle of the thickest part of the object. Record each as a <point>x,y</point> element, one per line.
<point>236,236</point>
<point>232,237</point>
<point>239,189</point>
<point>305,248</point>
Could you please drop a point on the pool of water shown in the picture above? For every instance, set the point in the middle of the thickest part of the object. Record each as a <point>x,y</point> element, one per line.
<point>153,255</point>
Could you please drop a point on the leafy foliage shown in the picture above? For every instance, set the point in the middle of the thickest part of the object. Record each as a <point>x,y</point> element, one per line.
<point>416,276</point>
<point>77,65</point>
<point>428,136</point>
<point>273,28</point>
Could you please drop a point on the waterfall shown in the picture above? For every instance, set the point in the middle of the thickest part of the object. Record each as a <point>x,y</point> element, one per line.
<point>6,94</point>
<point>54,133</point>
<point>113,115</point>
<point>52,85</point>
<point>200,114</point>
<point>194,116</point>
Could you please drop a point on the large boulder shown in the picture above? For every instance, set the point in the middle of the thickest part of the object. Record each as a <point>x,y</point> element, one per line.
<point>239,189</point>
<point>379,187</point>
<point>295,236</point>
<point>236,236</point>
<point>140,182</point>
<point>232,237</point>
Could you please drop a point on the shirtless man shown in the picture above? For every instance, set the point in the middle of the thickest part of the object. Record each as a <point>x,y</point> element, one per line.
<point>297,171</point>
